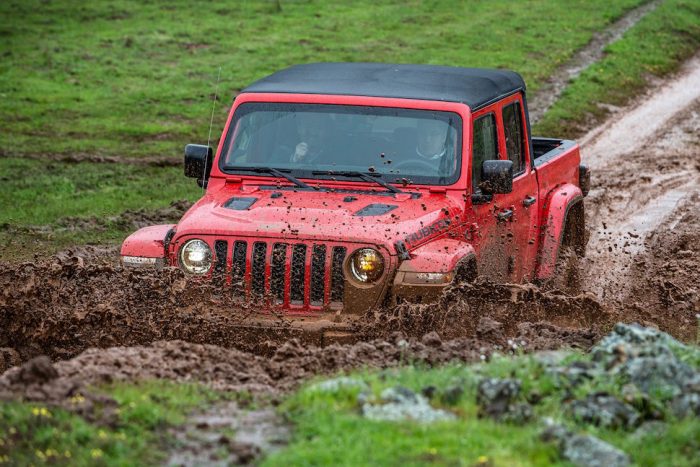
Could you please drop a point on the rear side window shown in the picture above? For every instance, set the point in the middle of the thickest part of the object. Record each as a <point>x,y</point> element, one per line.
<point>485,146</point>
<point>515,143</point>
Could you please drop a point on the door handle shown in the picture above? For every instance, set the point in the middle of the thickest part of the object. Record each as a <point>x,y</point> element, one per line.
<point>504,215</point>
<point>529,201</point>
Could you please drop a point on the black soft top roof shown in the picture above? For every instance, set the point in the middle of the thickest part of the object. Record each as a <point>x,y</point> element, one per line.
<point>475,87</point>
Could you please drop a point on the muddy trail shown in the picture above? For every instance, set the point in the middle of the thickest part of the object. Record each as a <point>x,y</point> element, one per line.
<point>100,322</point>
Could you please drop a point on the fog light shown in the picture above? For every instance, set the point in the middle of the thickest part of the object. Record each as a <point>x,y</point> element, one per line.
<point>428,277</point>
<point>141,262</point>
<point>195,257</point>
<point>367,265</point>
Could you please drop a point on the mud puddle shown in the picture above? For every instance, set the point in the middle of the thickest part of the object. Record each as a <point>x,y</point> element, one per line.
<point>227,434</point>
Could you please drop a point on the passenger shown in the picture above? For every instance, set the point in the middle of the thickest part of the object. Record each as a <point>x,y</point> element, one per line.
<point>313,131</point>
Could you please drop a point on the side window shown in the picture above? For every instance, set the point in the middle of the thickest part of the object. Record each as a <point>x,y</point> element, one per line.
<point>485,146</point>
<point>515,143</point>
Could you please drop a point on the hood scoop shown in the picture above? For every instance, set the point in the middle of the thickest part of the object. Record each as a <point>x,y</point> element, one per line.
<point>376,209</point>
<point>239,204</point>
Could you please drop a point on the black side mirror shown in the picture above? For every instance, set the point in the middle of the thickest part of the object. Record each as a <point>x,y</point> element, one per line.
<point>198,162</point>
<point>496,177</point>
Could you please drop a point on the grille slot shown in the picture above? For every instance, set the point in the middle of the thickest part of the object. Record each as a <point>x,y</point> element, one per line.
<point>220,249</point>
<point>277,267</point>
<point>337,279</point>
<point>298,274</point>
<point>257,282</point>
<point>238,266</point>
<point>318,274</point>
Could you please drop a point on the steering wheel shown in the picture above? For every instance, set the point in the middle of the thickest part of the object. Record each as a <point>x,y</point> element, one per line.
<point>421,165</point>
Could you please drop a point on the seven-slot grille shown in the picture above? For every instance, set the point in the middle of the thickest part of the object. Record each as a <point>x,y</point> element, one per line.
<point>295,275</point>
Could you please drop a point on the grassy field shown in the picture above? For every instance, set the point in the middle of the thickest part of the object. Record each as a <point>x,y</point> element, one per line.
<point>134,80</point>
<point>328,428</point>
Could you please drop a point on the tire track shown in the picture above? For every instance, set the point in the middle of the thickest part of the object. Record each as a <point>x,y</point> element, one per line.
<point>549,93</point>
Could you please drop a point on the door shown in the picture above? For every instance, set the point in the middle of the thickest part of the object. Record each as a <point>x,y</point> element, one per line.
<point>520,207</point>
<point>488,237</point>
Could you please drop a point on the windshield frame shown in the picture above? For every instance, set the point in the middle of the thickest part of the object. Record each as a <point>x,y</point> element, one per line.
<point>459,112</point>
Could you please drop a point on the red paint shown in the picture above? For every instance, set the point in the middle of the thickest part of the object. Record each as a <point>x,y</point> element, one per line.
<point>520,248</point>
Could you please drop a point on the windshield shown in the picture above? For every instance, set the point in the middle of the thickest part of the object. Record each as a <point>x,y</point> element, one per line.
<point>319,141</point>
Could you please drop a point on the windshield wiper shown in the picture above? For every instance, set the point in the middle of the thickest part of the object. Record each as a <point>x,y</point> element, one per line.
<point>364,176</point>
<point>273,171</point>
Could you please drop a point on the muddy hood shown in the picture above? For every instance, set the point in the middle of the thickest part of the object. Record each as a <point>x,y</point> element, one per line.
<point>370,218</point>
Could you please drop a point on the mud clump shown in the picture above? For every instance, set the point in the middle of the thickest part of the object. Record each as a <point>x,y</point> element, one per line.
<point>495,312</point>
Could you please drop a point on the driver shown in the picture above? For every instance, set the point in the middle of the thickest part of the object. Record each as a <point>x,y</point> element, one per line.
<point>312,130</point>
<point>432,141</point>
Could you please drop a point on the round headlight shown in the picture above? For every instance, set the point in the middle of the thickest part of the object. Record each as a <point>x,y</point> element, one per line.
<point>195,257</point>
<point>367,265</point>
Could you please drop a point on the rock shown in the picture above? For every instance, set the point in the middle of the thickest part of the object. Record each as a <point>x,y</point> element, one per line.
<point>654,429</point>
<point>399,395</point>
<point>336,384</point>
<point>429,391</point>
<point>496,399</point>
<point>551,358</point>
<point>583,450</point>
<point>604,410</point>
<point>518,413</point>
<point>646,357</point>
<point>38,370</point>
<point>589,451</point>
<point>575,373</point>
<point>432,339</point>
<point>399,403</point>
<point>686,405</point>
<point>633,340</point>
<point>663,373</point>
<point>452,394</point>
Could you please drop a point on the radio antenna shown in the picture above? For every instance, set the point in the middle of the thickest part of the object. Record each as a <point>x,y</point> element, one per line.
<point>211,124</point>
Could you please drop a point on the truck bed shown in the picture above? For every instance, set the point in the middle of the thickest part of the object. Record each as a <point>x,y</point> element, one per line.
<point>545,149</point>
<point>556,163</point>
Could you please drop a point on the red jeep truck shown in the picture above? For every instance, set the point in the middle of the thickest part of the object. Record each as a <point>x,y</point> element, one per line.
<point>338,187</point>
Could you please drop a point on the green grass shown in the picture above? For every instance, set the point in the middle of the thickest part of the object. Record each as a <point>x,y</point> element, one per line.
<point>32,434</point>
<point>329,429</point>
<point>39,193</point>
<point>127,78</point>
<point>654,47</point>
<point>130,79</point>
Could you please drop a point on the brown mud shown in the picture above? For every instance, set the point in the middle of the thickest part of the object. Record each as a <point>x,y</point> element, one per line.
<point>642,212</point>
<point>100,323</point>
<point>152,161</point>
<point>127,220</point>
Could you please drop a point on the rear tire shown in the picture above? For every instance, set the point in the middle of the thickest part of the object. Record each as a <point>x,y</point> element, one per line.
<point>567,274</point>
